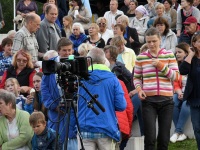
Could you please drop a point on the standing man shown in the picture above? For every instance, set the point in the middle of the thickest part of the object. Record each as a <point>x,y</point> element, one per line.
<point>25,37</point>
<point>154,71</point>
<point>100,131</point>
<point>49,32</point>
<point>110,15</point>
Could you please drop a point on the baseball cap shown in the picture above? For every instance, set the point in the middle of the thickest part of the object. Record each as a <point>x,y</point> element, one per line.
<point>190,19</point>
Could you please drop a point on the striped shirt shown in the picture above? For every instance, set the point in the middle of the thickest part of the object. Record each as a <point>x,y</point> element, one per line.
<point>156,80</point>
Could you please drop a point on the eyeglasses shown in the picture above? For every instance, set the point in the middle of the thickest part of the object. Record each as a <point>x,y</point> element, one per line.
<point>103,24</point>
<point>186,24</point>
<point>22,60</point>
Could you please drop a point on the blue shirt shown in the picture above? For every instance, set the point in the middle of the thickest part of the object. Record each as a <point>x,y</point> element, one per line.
<point>5,62</point>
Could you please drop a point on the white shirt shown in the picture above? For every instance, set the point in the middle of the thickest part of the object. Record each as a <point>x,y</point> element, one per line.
<point>110,17</point>
<point>106,35</point>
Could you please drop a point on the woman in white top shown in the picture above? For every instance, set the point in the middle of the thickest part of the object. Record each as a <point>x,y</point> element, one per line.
<point>139,22</point>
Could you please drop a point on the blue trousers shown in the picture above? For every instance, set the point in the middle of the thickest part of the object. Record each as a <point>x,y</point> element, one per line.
<point>180,114</point>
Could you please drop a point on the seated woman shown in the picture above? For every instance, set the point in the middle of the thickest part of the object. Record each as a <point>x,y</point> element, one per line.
<point>26,6</point>
<point>84,48</point>
<point>21,69</point>
<point>140,21</point>
<point>16,132</point>
<point>131,11</point>
<point>104,32</point>
<point>79,13</point>
<point>94,38</point>
<point>77,37</point>
<point>5,56</point>
<point>168,38</point>
<point>181,109</point>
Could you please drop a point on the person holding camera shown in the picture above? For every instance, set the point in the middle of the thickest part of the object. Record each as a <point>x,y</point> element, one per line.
<point>154,70</point>
<point>100,131</point>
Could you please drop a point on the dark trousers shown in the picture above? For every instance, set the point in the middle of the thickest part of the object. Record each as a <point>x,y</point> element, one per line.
<point>195,118</point>
<point>164,112</point>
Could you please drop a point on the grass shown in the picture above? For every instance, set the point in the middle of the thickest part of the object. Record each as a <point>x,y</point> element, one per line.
<point>189,144</point>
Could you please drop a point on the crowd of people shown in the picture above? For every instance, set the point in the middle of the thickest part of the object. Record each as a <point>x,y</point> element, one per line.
<point>142,63</point>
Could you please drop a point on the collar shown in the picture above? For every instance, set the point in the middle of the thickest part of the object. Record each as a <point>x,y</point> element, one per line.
<point>99,67</point>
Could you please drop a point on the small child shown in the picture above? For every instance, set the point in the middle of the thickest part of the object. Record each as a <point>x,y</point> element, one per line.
<point>12,85</point>
<point>44,137</point>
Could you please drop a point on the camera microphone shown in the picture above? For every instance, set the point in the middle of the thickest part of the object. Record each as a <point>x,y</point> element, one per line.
<point>98,104</point>
<point>90,105</point>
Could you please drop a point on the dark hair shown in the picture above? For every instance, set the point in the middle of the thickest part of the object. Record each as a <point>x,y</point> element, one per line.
<point>122,28</point>
<point>8,97</point>
<point>169,1</point>
<point>161,20</point>
<point>40,74</point>
<point>190,1</point>
<point>113,51</point>
<point>183,46</point>
<point>195,37</point>
<point>152,31</point>
<point>37,117</point>
<point>80,4</point>
<point>63,42</point>
<point>6,41</point>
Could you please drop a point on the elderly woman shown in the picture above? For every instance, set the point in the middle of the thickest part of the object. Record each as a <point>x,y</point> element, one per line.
<point>79,13</point>
<point>21,69</point>
<point>170,12</point>
<point>94,38</point>
<point>130,35</point>
<point>140,21</point>
<point>15,131</point>
<point>168,38</point>
<point>160,9</point>
<point>26,6</point>
<point>105,33</point>
<point>186,11</point>
<point>77,37</point>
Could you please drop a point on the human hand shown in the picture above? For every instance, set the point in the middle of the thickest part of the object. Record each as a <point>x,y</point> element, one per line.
<point>131,40</point>
<point>191,51</point>
<point>76,7</point>
<point>180,96</point>
<point>79,16</point>
<point>24,89</point>
<point>23,15</point>
<point>29,99</point>
<point>132,93</point>
<point>155,62</point>
<point>142,95</point>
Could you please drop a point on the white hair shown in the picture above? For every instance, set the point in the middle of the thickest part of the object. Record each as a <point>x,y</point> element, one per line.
<point>78,25</point>
<point>97,55</point>
<point>50,54</point>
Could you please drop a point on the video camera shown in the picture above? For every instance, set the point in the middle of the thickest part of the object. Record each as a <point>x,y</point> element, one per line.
<point>67,66</point>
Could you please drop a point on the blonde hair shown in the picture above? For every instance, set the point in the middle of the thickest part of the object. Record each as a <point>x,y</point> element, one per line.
<point>160,5</point>
<point>84,48</point>
<point>69,26</point>
<point>94,25</point>
<point>143,48</point>
<point>117,41</point>
<point>102,18</point>
<point>15,82</point>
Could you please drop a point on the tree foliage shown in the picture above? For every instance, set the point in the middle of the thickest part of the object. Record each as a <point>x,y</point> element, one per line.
<point>8,12</point>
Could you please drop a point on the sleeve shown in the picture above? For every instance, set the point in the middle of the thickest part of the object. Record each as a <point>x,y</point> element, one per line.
<point>86,18</point>
<point>18,6</point>
<point>71,13</point>
<point>25,133</point>
<point>42,38</point>
<point>31,78</point>
<point>195,13</point>
<point>179,21</point>
<point>134,36</point>
<point>174,18</point>
<point>3,80</point>
<point>137,79</point>
<point>173,43</point>
<point>119,99</point>
<point>29,108</point>
<point>50,92</point>
<point>35,7</point>
<point>177,85</point>
<point>184,68</point>
<point>171,70</point>
<point>17,42</point>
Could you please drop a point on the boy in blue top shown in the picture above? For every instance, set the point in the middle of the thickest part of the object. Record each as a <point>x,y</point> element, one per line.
<point>44,138</point>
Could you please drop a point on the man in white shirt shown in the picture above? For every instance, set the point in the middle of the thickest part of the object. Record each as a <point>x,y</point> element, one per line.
<point>110,15</point>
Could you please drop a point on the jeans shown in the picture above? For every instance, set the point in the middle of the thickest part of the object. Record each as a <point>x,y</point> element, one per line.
<point>138,112</point>
<point>195,118</point>
<point>72,144</point>
<point>180,114</point>
<point>151,111</point>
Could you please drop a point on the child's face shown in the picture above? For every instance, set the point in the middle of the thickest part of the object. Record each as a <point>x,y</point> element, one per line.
<point>52,1</point>
<point>38,128</point>
<point>65,51</point>
<point>11,87</point>
<point>7,49</point>
<point>65,22</point>
<point>36,82</point>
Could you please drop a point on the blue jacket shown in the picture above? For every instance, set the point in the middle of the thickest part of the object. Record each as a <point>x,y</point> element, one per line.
<point>111,96</point>
<point>51,97</point>
<point>46,140</point>
<point>77,41</point>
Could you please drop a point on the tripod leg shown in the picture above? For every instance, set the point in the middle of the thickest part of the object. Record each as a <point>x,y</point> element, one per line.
<point>68,106</point>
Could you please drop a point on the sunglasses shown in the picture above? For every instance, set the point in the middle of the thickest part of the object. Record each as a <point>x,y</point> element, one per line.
<point>21,60</point>
<point>103,24</point>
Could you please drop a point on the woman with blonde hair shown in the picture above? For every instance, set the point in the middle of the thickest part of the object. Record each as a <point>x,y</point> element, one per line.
<point>67,26</point>
<point>22,69</point>
<point>84,48</point>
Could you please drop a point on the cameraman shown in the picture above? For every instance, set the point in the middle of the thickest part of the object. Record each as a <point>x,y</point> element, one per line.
<point>100,131</point>
<point>51,96</point>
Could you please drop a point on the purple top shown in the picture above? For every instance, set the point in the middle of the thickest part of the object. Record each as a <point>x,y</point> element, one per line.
<point>26,9</point>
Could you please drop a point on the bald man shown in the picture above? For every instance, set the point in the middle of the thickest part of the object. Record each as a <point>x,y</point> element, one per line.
<point>25,37</point>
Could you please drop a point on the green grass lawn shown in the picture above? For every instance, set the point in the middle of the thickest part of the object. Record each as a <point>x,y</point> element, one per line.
<point>189,144</point>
